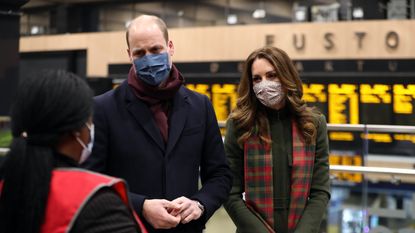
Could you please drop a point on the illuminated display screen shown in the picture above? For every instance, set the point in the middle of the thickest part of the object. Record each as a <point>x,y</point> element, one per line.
<point>341,103</point>
<point>344,103</point>
<point>350,92</point>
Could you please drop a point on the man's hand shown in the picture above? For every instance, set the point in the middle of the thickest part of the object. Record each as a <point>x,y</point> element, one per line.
<point>156,212</point>
<point>188,209</point>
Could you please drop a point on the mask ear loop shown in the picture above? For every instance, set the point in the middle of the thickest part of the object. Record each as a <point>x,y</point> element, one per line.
<point>77,135</point>
<point>89,127</point>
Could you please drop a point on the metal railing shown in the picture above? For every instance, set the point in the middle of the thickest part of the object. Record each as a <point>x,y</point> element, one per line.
<point>366,128</point>
<point>372,170</point>
<point>372,128</point>
<point>343,168</point>
<point>3,151</point>
<point>361,128</point>
<point>339,127</point>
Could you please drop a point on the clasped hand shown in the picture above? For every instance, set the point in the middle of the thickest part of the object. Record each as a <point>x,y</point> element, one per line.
<point>164,214</point>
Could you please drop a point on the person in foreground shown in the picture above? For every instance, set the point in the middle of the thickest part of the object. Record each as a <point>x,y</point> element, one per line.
<point>160,137</point>
<point>41,187</point>
<point>277,147</point>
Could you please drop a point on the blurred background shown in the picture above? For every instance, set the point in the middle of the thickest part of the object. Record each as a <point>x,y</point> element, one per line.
<point>356,59</point>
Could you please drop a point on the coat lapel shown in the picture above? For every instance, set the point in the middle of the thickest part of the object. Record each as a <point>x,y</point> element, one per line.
<point>143,115</point>
<point>177,118</point>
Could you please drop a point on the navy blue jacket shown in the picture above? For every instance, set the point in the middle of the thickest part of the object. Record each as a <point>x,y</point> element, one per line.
<point>129,145</point>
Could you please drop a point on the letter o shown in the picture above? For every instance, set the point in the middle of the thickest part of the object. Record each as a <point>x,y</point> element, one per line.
<point>392,40</point>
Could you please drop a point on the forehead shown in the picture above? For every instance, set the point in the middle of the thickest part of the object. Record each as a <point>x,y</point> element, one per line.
<point>142,35</point>
<point>261,65</point>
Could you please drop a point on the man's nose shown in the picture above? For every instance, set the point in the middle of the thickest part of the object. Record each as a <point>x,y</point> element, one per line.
<point>149,52</point>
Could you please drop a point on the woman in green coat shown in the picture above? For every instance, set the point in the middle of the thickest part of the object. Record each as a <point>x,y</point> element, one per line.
<point>277,148</point>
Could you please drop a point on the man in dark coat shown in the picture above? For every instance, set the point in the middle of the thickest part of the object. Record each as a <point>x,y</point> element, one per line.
<point>160,137</point>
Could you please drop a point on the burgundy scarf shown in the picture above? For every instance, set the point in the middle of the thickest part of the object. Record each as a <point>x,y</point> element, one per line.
<point>157,98</point>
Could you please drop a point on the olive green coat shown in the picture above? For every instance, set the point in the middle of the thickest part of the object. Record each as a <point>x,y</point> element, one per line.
<point>280,125</point>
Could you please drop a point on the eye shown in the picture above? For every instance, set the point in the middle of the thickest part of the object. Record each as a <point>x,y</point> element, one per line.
<point>256,78</point>
<point>138,53</point>
<point>272,75</point>
<point>156,49</point>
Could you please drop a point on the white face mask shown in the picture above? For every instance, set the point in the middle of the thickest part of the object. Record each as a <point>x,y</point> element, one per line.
<point>269,93</point>
<point>87,149</point>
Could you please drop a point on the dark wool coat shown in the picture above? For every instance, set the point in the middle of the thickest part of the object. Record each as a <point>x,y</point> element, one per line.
<point>128,144</point>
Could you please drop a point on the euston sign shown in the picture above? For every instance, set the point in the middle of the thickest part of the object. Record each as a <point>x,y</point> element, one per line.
<point>299,41</point>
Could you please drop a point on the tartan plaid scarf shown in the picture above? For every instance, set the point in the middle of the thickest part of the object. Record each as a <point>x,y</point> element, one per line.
<point>258,174</point>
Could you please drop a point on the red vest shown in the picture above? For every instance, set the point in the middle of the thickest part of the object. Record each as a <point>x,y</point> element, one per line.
<point>70,190</point>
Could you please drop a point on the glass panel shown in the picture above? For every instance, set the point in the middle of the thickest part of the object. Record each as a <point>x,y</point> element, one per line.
<point>372,202</point>
<point>371,207</point>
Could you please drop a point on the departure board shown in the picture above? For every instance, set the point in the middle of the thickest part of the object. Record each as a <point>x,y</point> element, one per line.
<point>350,92</point>
<point>404,103</point>
<point>375,104</point>
<point>346,91</point>
<point>344,103</point>
<point>316,95</point>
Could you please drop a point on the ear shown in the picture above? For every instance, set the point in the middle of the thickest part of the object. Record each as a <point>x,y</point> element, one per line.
<point>76,134</point>
<point>171,47</point>
<point>128,53</point>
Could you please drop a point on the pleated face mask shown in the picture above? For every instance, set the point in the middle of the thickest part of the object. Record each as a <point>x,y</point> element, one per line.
<point>269,93</point>
<point>153,69</point>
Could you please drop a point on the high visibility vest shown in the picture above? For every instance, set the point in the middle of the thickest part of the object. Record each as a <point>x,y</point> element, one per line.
<point>70,190</point>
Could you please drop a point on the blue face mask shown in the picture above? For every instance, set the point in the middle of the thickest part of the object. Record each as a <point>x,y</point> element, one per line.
<point>153,69</point>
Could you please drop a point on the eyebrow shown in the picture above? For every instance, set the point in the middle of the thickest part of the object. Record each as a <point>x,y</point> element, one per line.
<point>271,72</point>
<point>136,50</point>
<point>267,73</point>
<point>156,46</point>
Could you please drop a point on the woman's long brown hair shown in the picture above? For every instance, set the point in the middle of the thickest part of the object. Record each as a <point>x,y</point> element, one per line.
<point>250,117</point>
